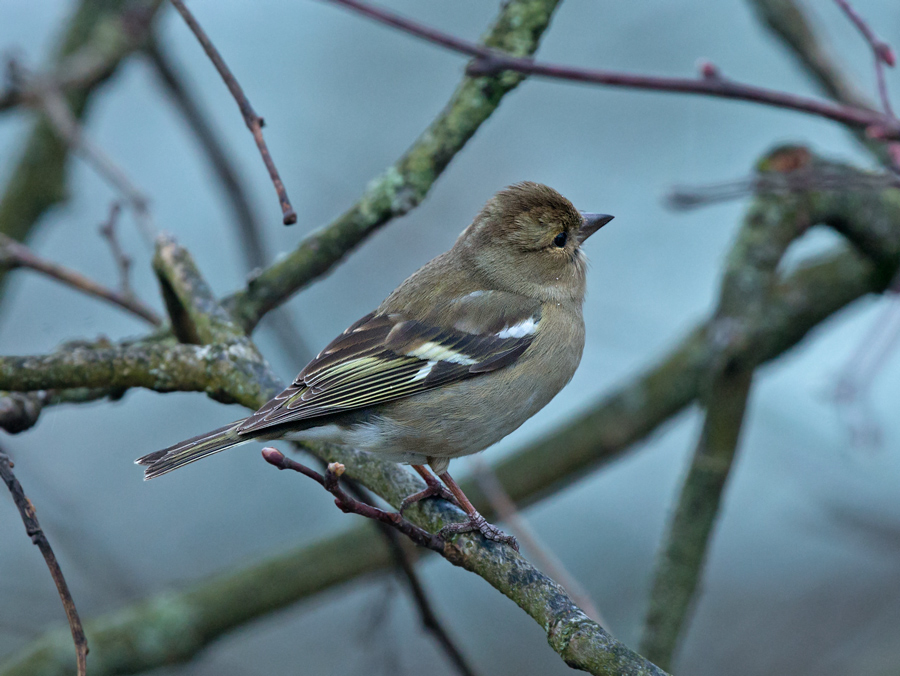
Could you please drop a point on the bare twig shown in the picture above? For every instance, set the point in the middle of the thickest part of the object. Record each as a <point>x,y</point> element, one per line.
<point>54,105</point>
<point>490,62</point>
<point>253,121</point>
<point>251,234</point>
<point>507,512</point>
<point>685,198</point>
<point>884,55</point>
<point>248,225</point>
<point>122,260</point>
<point>351,505</point>
<point>15,255</point>
<point>33,528</point>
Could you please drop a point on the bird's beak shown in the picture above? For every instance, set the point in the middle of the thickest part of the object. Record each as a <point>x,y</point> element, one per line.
<point>592,223</point>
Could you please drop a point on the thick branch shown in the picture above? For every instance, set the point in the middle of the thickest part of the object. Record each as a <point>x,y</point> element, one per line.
<point>580,641</point>
<point>405,184</point>
<point>226,373</point>
<point>196,314</point>
<point>769,228</point>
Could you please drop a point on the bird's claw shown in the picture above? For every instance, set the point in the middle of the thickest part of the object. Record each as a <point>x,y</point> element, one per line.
<point>435,489</point>
<point>476,522</point>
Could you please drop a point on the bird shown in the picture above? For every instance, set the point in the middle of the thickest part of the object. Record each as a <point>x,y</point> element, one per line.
<point>463,352</point>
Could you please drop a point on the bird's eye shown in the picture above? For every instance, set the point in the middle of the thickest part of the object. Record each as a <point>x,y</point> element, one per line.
<point>561,239</point>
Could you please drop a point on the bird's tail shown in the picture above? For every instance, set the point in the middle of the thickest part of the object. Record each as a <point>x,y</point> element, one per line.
<point>193,449</point>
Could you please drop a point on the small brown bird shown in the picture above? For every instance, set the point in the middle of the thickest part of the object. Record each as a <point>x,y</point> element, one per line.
<point>463,352</point>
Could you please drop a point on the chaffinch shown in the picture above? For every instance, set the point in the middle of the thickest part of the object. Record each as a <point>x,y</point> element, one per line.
<point>463,352</point>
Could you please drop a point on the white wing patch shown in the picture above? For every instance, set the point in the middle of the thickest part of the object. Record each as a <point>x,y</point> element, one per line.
<point>437,352</point>
<point>423,372</point>
<point>526,327</point>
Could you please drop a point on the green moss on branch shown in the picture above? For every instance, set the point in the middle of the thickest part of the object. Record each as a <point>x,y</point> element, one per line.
<point>229,373</point>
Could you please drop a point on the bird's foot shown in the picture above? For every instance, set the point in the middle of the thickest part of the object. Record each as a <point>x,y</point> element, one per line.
<point>476,522</point>
<point>434,489</point>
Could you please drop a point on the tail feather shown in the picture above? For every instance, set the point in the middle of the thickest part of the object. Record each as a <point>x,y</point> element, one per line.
<point>191,450</point>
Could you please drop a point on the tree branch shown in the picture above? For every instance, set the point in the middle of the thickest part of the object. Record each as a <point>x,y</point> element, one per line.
<point>19,411</point>
<point>224,372</point>
<point>768,229</point>
<point>14,255</point>
<point>580,641</point>
<point>253,121</point>
<point>33,528</point>
<point>884,55</point>
<point>492,62</point>
<point>815,291</point>
<point>403,185</point>
<point>787,21</point>
<point>39,181</point>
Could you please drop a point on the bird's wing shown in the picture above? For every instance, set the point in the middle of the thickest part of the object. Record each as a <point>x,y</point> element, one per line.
<point>384,357</point>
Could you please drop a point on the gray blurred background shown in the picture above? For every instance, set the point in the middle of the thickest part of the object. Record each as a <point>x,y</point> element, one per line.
<point>804,568</point>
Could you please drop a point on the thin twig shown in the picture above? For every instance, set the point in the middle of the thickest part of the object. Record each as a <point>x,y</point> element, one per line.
<point>404,563</point>
<point>507,512</point>
<point>122,260</point>
<point>351,505</point>
<point>54,105</point>
<point>253,121</point>
<point>180,92</point>
<point>33,528</point>
<point>856,377</point>
<point>488,61</point>
<point>15,255</point>
<point>683,198</point>
<point>281,323</point>
<point>884,55</point>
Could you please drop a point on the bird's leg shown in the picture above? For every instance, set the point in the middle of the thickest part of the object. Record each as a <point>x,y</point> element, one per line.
<point>433,488</point>
<point>475,521</point>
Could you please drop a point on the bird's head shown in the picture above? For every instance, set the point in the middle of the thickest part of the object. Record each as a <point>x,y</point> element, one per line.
<point>528,239</point>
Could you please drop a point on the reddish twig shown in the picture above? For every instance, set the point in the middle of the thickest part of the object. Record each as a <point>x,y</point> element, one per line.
<point>253,121</point>
<point>404,563</point>
<point>351,505</point>
<point>489,61</point>
<point>15,255</point>
<point>33,528</point>
<point>884,55</point>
